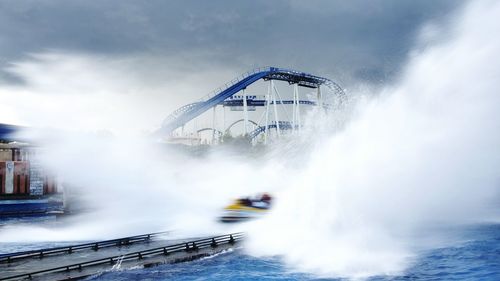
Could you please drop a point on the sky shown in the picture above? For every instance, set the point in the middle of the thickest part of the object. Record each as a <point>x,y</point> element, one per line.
<point>171,52</point>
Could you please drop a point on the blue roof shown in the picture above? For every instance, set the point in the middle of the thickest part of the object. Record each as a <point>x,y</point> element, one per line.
<point>7,131</point>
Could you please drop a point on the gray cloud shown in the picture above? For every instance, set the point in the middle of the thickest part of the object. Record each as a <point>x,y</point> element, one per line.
<point>352,40</point>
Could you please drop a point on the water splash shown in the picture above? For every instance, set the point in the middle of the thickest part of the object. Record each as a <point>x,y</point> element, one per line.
<point>416,158</point>
<point>420,157</point>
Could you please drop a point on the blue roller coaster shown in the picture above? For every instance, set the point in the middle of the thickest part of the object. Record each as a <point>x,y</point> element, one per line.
<point>227,97</point>
<point>222,95</point>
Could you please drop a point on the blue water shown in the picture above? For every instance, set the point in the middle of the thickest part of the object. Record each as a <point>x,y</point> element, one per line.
<point>477,258</point>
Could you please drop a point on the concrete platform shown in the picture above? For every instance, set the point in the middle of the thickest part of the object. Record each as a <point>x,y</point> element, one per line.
<point>87,262</point>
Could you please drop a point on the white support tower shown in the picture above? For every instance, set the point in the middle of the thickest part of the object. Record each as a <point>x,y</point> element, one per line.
<point>223,119</point>
<point>213,124</point>
<point>320,98</point>
<point>282,103</point>
<point>296,108</point>
<point>245,112</point>
<point>266,125</point>
<point>276,118</point>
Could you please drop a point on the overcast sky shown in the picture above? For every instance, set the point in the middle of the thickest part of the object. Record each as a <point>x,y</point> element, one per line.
<point>356,39</point>
<point>185,48</point>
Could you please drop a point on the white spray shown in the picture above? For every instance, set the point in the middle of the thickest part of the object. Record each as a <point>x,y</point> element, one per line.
<point>424,152</point>
<point>422,155</point>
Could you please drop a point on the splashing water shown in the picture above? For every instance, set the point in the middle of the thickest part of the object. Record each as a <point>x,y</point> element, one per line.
<point>420,157</point>
<point>413,160</point>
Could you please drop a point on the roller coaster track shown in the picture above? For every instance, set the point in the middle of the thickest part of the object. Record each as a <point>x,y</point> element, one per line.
<point>284,125</point>
<point>238,121</point>
<point>210,129</point>
<point>186,113</point>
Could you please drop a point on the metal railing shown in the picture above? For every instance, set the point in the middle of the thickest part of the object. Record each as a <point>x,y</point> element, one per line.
<point>211,94</point>
<point>41,253</point>
<point>234,81</point>
<point>224,87</point>
<point>189,247</point>
<point>283,125</point>
<point>262,69</point>
<point>178,112</point>
<point>192,106</point>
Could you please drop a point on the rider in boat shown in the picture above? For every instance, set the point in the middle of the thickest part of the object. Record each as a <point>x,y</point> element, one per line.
<point>247,208</point>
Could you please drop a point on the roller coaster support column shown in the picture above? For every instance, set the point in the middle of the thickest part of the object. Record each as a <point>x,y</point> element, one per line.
<point>296,108</point>
<point>281,103</point>
<point>223,119</point>
<point>213,125</point>
<point>266,125</point>
<point>320,98</point>
<point>245,112</point>
<point>276,118</point>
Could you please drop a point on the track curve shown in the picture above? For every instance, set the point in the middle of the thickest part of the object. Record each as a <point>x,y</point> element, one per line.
<point>188,112</point>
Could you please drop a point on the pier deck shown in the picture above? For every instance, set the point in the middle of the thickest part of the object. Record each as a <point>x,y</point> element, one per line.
<point>83,260</point>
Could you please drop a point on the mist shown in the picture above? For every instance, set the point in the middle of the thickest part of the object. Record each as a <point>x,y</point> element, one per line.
<point>120,95</point>
<point>416,160</point>
<point>359,194</point>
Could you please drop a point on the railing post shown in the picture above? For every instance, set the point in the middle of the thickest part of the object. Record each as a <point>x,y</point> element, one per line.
<point>213,244</point>
<point>194,247</point>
